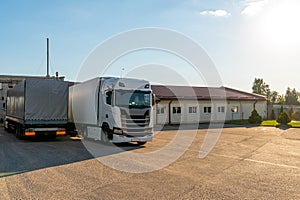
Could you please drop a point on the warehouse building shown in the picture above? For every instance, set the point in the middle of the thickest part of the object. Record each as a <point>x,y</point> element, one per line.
<point>188,105</point>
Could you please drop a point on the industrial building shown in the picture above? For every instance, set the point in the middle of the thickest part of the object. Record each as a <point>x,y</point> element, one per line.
<point>187,105</point>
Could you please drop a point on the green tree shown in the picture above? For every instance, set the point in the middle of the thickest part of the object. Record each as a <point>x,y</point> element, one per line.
<point>260,87</point>
<point>255,118</point>
<point>291,110</point>
<point>281,99</point>
<point>281,108</point>
<point>273,115</point>
<point>291,96</point>
<point>296,115</point>
<point>274,97</point>
<point>283,118</point>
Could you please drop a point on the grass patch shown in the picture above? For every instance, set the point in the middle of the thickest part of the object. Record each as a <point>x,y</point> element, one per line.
<point>269,123</point>
<point>294,124</point>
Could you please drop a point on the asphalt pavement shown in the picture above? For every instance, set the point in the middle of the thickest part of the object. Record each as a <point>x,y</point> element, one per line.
<point>245,163</point>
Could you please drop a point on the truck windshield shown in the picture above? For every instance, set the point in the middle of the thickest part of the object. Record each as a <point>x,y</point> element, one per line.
<point>133,98</point>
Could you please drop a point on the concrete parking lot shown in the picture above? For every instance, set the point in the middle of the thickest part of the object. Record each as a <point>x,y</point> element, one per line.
<point>246,163</point>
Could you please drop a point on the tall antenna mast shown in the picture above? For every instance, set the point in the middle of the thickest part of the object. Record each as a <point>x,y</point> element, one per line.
<point>48,57</point>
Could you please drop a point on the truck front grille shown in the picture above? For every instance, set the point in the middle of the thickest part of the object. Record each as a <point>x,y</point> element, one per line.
<point>136,125</point>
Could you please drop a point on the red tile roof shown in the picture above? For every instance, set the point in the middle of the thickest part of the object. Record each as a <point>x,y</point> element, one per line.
<point>202,93</point>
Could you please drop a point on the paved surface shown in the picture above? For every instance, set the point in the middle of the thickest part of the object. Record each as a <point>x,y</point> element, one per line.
<point>246,163</point>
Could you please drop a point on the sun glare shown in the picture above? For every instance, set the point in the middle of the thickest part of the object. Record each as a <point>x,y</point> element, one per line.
<point>280,22</point>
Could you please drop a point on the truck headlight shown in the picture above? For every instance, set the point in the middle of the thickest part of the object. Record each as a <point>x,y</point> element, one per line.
<point>118,131</point>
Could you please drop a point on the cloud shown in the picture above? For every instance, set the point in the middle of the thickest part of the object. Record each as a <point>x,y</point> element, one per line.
<point>253,7</point>
<point>216,13</point>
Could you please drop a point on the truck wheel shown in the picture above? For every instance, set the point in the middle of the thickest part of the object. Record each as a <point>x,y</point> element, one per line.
<point>52,137</point>
<point>7,127</point>
<point>104,135</point>
<point>141,143</point>
<point>83,132</point>
<point>19,132</point>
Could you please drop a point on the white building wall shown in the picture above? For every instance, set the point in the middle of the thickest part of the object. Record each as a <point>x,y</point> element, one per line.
<point>177,118</point>
<point>235,110</point>
<point>205,116</point>
<point>245,108</point>
<point>162,113</point>
<point>262,109</point>
<point>219,110</point>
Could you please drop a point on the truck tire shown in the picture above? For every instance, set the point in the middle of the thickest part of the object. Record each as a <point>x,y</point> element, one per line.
<point>104,136</point>
<point>141,143</point>
<point>19,132</point>
<point>84,133</point>
<point>8,128</point>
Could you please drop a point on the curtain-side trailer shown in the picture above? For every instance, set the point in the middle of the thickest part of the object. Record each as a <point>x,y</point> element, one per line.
<point>112,109</point>
<point>37,107</point>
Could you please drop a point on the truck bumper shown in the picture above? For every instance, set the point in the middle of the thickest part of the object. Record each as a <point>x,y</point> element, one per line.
<point>45,132</point>
<point>122,138</point>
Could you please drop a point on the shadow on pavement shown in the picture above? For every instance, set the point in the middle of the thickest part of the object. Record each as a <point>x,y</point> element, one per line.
<point>20,156</point>
<point>199,126</point>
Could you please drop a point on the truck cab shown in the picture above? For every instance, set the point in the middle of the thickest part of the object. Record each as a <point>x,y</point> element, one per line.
<point>113,109</point>
<point>127,106</point>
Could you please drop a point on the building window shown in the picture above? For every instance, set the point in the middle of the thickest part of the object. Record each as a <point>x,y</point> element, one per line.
<point>193,109</point>
<point>176,110</point>
<point>207,109</point>
<point>234,109</point>
<point>160,110</point>
<point>3,105</point>
<point>221,109</point>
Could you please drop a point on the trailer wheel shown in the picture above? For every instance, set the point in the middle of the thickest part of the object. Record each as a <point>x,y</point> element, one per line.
<point>10,130</point>
<point>19,132</point>
<point>141,143</point>
<point>7,127</point>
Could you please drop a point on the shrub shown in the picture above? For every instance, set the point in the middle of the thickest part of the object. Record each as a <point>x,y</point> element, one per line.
<point>255,118</point>
<point>296,115</point>
<point>283,118</point>
<point>273,116</point>
<point>281,108</point>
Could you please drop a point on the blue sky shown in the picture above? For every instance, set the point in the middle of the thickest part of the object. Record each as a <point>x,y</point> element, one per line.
<point>244,38</point>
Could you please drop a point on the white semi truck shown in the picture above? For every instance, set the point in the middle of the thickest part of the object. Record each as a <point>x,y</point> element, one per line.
<point>112,109</point>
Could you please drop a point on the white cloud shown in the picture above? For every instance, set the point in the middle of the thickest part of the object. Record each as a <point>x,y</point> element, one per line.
<point>216,13</point>
<point>253,7</point>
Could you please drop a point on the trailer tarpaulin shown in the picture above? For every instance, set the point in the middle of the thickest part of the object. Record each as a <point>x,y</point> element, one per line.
<point>46,100</point>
